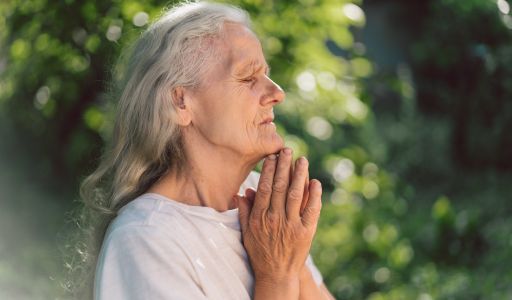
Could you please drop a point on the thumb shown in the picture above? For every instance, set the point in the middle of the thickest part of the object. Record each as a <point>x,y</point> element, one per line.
<point>244,211</point>
<point>250,194</point>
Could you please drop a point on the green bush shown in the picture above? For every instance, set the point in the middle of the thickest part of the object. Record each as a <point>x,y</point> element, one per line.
<point>386,231</point>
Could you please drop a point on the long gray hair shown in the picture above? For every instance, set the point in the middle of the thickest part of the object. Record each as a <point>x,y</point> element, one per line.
<point>146,141</point>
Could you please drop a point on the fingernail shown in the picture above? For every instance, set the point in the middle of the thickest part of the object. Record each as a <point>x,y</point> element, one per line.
<point>271,157</point>
<point>302,161</point>
<point>287,151</point>
<point>318,184</point>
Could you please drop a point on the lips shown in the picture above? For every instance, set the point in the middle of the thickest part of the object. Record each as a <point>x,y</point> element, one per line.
<point>267,120</point>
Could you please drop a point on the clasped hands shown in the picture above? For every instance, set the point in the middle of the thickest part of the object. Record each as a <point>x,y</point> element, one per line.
<point>279,220</point>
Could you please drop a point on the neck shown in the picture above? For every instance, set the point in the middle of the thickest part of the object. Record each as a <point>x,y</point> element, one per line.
<point>210,177</point>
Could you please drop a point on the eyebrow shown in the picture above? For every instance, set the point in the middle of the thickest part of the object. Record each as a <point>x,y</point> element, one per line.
<point>253,66</point>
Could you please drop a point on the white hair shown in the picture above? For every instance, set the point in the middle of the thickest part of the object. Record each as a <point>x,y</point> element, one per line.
<point>146,141</point>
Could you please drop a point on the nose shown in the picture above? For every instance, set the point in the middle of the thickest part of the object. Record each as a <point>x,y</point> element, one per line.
<point>273,95</point>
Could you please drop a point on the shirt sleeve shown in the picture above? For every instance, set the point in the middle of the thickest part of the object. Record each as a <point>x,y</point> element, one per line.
<point>317,276</point>
<point>138,263</point>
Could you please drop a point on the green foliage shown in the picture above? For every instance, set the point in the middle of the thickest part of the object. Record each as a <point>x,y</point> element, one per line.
<point>462,70</point>
<point>385,232</point>
<point>443,135</point>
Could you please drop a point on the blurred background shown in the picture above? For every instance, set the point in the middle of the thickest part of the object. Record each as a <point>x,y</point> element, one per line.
<point>404,108</point>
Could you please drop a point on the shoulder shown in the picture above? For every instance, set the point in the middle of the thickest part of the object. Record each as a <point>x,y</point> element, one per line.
<point>140,224</point>
<point>135,243</point>
<point>140,261</point>
<point>141,241</point>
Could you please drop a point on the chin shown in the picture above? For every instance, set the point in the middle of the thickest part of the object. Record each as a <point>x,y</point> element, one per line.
<point>274,147</point>
<point>270,146</point>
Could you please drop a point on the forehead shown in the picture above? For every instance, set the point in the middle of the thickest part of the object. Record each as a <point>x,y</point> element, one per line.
<point>242,48</point>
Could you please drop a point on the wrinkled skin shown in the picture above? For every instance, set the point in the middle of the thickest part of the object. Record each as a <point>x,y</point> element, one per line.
<point>229,118</point>
<point>276,235</point>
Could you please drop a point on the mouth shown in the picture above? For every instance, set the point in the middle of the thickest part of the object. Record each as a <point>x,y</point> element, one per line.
<point>266,121</point>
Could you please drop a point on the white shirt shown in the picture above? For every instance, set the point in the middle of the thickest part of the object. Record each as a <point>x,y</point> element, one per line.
<point>158,248</point>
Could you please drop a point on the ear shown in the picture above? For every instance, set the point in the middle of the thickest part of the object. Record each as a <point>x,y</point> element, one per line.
<point>182,106</point>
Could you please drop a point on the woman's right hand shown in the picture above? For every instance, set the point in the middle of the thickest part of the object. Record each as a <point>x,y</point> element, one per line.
<point>276,232</point>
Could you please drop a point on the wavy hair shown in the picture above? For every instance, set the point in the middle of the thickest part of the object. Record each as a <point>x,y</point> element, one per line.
<point>146,141</point>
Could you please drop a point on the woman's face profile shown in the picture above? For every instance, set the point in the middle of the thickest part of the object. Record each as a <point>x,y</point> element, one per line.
<point>233,108</point>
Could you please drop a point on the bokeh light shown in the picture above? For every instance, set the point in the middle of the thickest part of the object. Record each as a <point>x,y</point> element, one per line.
<point>401,107</point>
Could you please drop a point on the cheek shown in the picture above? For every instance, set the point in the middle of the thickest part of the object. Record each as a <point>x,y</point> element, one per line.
<point>232,123</point>
<point>232,119</point>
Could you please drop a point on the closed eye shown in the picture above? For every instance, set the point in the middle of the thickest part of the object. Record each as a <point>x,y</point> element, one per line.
<point>249,80</point>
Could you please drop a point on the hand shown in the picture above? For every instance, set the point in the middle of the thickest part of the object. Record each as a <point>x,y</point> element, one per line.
<point>276,235</point>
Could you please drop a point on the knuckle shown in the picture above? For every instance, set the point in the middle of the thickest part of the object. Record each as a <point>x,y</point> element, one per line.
<point>280,186</point>
<point>312,211</point>
<point>294,194</point>
<point>265,187</point>
<point>273,220</point>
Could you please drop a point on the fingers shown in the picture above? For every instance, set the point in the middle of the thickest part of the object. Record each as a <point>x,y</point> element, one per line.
<point>244,211</point>
<point>245,205</point>
<point>264,191</point>
<point>314,205</point>
<point>250,193</point>
<point>281,182</point>
<point>305,197</point>
<point>296,191</point>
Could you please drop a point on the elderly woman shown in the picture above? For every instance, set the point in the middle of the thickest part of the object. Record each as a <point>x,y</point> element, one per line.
<point>191,220</point>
